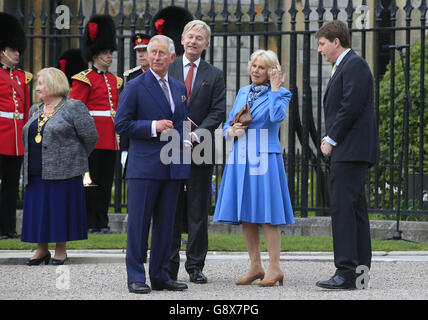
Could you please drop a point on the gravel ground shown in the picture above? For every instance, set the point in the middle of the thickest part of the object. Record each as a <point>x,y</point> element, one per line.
<point>399,280</point>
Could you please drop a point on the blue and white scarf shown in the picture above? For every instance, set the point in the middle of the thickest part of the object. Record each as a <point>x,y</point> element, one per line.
<point>256,92</point>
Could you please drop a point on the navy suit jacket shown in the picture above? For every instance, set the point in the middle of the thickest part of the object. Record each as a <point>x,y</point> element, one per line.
<point>141,102</point>
<point>349,112</point>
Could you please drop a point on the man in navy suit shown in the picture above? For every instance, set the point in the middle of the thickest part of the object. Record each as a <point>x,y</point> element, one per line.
<point>351,145</point>
<point>152,104</point>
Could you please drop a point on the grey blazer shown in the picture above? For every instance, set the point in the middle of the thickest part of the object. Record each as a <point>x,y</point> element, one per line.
<point>68,139</point>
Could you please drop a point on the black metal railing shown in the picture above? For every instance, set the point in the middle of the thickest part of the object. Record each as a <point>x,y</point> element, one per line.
<point>288,28</point>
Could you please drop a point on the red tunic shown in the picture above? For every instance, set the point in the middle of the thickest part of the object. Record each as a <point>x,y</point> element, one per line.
<point>100,93</point>
<point>15,106</point>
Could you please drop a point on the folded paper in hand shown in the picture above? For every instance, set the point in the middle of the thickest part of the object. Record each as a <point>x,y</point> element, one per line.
<point>189,126</point>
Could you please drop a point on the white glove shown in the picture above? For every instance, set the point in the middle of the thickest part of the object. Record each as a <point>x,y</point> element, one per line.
<point>123,157</point>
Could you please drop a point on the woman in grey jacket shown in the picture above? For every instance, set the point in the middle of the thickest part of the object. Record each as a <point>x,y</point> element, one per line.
<point>58,139</point>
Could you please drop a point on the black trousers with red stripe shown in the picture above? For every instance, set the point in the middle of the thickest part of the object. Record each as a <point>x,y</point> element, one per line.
<point>101,169</point>
<point>10,167</point>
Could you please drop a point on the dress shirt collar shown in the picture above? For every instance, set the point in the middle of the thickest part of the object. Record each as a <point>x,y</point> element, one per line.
<point>187,61</point>
<point>340,58</point>
<point>158,78</point>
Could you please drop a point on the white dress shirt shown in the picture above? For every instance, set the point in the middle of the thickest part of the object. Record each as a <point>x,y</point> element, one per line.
<point>158,78</point>
<point>338,61</point>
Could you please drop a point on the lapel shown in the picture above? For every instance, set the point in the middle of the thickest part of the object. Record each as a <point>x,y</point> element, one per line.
<point>156,92</point>
<point>339,68</point>
<point>176,96</point>
<point>201,73</point>
<point>177,69</point>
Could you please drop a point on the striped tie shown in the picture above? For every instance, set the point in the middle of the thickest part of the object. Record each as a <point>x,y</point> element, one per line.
<point>165,90</point>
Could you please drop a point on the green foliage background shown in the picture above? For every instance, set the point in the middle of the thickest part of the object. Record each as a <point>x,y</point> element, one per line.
<point>414,116</point>
<point>385,181</point>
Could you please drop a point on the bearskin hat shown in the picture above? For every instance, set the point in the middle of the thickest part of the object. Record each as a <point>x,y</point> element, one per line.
<point>71,62</point>
<point>99,35</point>
<point>12,34</point>
<point>170,22</point>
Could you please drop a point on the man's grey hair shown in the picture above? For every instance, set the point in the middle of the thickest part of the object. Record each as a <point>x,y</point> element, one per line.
<point>161,37</point>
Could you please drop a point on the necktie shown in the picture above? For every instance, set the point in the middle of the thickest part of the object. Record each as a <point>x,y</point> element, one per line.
<point>333,70</point>
<point>189,79</point>
<point>165,90</point>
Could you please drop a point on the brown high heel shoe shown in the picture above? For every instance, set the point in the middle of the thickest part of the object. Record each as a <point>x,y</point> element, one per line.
<point>249,280</point>
<point>271,283</point>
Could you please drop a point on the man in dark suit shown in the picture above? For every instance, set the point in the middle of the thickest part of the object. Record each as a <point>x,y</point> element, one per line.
<point>152,104</point>
<point>351,145</point>
<point>207,108</point>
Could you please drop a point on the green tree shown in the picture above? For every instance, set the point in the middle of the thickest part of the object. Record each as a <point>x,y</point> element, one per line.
<point>414,117</point>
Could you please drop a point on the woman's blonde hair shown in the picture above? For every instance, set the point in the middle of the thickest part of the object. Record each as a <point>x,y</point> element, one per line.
<point>267,56</point>
<point>55,82</point>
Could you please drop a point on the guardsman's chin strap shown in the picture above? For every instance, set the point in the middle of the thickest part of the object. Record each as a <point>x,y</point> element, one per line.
<point>104,62</point>
<point>15,62</point>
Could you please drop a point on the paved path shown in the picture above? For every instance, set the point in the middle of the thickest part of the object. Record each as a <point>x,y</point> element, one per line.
<point>101,274</point>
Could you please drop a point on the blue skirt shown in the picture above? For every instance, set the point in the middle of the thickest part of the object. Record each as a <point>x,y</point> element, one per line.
<point>54,211</point>
<point>261,198</point>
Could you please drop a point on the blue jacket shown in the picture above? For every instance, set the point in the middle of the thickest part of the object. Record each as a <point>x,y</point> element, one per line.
<point>267,112</point>
<point>141,102</point>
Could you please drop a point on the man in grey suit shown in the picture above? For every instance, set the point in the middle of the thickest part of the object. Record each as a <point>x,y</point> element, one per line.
<point>207,109</point>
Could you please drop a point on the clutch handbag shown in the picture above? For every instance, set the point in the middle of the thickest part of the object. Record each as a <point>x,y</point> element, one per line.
<point>243,116</point>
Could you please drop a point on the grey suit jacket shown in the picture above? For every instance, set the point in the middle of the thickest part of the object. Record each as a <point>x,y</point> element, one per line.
<point>68,139</point>
<point>207,103</point>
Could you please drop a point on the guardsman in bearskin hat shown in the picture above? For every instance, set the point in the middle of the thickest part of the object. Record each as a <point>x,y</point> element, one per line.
<point>99,90</point>
<point>14,107</point>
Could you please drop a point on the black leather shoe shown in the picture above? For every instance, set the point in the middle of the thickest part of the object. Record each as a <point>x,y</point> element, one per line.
<point>36,262</point>
<point>337,282</point>
<point>138,287</point>
<point>168,285</point>
<point>197,276</point>
<point>59,262</point>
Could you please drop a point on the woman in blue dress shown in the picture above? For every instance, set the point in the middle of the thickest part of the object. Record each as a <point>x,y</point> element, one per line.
<point>58,139</point>
<point>254,188</point>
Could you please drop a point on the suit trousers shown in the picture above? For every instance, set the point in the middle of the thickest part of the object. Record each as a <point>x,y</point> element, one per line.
<point>195,208</point>
<point>10,167</point>
<point>149,199</point>
<point>98,198</point>
<point>350,222</point>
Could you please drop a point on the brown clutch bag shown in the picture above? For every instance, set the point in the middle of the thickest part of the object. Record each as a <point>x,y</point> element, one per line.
<point>243,116</point>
